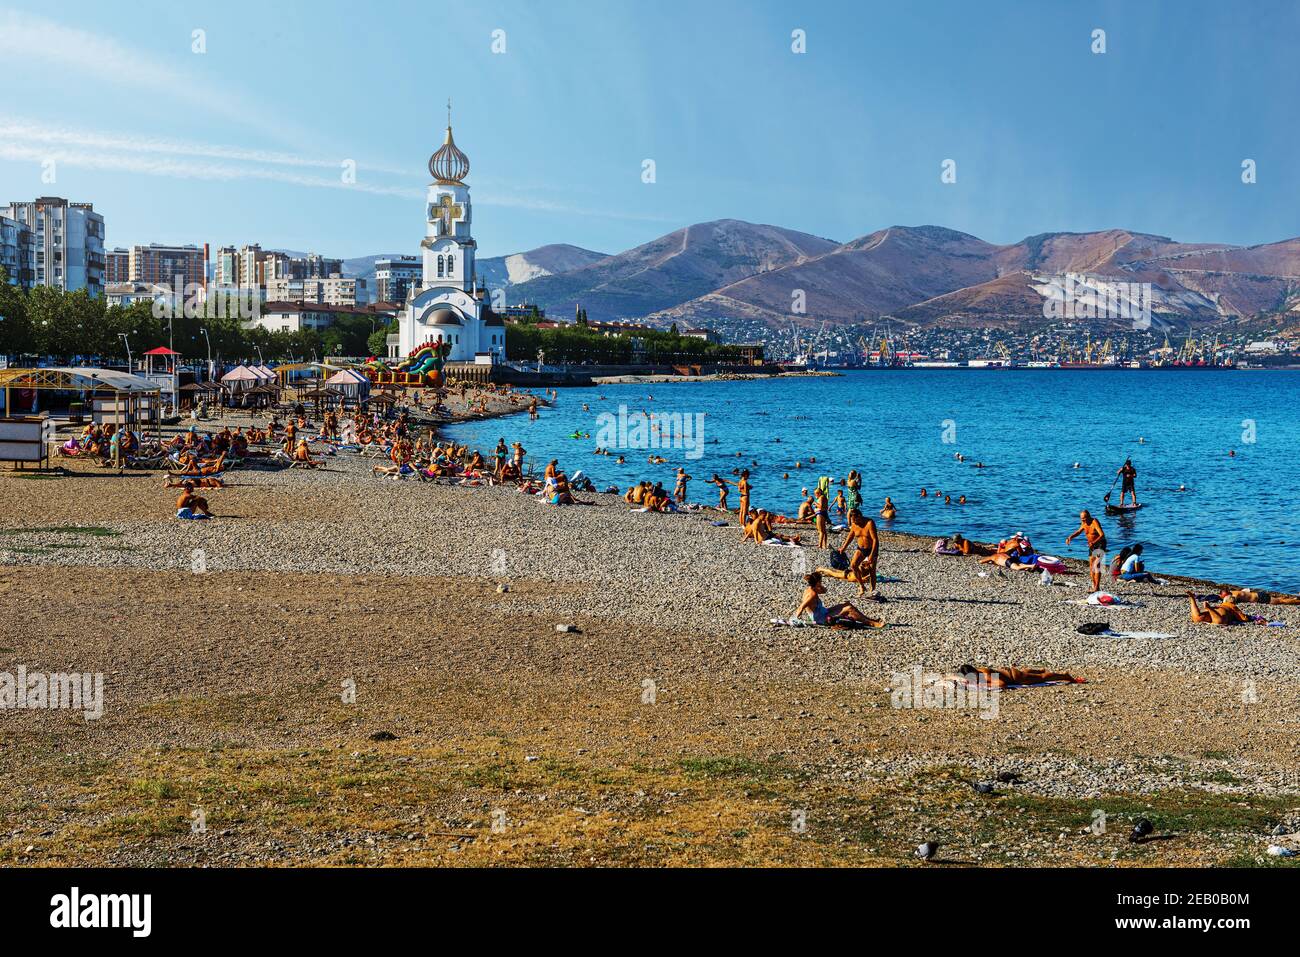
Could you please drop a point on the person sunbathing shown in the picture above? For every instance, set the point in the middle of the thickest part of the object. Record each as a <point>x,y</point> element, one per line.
<point>213,466</point>
<point>954,544</point>
<point>760,529</point>
<point>1128,565</point>
<point>1257,597</point>
<point>1012,677</point>
<point>302,455</point>
<point>563,495</point>
<point>841,615</point>
<point>209,482</point>
<point>1224,613</point>
<point>189,505</point>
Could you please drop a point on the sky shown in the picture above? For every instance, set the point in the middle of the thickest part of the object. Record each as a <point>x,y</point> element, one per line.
<point>239,133</point>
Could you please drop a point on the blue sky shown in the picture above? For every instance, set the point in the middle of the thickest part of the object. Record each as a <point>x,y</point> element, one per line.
<point>244,143</point>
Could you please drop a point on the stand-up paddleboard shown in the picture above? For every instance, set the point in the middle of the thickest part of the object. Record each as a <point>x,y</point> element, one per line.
<point>1121,509</point>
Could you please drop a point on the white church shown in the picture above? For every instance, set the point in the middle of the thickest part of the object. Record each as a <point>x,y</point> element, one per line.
<point>448,306</point>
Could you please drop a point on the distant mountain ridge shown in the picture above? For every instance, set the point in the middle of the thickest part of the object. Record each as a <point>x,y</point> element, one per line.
<point>733,274</point>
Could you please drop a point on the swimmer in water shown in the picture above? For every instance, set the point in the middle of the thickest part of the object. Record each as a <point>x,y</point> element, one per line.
<point>962,500</point>
<point>888,511</point>
<point>923,493</point>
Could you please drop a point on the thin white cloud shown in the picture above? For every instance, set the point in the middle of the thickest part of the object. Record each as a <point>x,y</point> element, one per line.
<point>18,130</point>
<point>189,169</point>
<point>125,153</point>
<point>46,44</point>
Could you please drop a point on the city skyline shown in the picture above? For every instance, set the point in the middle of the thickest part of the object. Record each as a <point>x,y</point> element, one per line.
<point>233,135</point>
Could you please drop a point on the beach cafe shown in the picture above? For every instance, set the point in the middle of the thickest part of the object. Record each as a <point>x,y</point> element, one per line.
<point>109,396</point>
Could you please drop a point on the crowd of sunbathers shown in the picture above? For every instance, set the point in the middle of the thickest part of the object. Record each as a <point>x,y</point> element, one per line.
<point>111,445</point>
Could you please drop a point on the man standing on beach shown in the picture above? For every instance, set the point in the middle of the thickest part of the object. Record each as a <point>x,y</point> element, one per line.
<point>862,532</point>
<point>1090,528</point>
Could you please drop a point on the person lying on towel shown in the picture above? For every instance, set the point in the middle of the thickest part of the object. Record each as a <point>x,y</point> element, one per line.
<point>1013,677</point>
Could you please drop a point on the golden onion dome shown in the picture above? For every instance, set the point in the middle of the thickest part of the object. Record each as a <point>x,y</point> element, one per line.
<point>449,165</point>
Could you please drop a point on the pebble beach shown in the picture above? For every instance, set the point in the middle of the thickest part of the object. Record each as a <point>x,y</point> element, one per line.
<point>668,660</point>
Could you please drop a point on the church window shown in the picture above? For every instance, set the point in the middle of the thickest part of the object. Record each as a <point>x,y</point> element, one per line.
<point>439,267</point>
<point>450,271</point>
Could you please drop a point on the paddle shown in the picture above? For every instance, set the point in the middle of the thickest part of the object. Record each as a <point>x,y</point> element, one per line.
<point>1106,498</point>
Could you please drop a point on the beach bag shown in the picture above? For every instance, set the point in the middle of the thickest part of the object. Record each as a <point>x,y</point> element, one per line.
<point>839,561</point>
<point>1093,628</point>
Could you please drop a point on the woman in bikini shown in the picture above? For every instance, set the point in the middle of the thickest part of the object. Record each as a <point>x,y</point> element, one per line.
<point>812,609</point>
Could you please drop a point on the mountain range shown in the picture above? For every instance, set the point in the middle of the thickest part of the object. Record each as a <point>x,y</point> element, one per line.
<point>732,275</point>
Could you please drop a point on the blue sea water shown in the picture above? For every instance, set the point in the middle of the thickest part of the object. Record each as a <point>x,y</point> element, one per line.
<point>1238,520</point>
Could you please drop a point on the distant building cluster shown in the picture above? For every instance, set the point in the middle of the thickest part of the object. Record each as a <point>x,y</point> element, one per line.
<point>50,241</point>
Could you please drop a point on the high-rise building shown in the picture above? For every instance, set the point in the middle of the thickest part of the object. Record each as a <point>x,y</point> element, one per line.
<point>174,266</point>
<point>318,267</point>
<point>251,259</point>
<point>14,236</point>
<point>117,266</point>
<point>278,266</point>
<point>226,270</point>
<point>59,244</point>
<point>394,277</point>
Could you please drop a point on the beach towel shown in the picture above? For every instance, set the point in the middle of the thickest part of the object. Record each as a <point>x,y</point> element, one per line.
<point>189,515</point>
<point>1137,635</point>
<point>777,543</point>
<point>719,524</point>
<point>839,624</point>
<point>1106,599</point>
<point>976,686</point>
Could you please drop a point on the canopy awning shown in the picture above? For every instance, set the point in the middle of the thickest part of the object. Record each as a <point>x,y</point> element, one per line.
<point>77,377</point>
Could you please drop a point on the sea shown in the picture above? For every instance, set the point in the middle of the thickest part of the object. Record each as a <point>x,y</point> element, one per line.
<point>1215,452</point>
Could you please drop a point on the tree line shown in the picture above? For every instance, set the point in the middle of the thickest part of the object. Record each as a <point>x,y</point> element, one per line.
<point>46,322</point>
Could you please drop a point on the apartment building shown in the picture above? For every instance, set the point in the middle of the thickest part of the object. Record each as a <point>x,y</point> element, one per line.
<point>56,243</point>
<point>117,266</point>
<point>333,291</point>
<point>395,277</point>
<point>173,266</point>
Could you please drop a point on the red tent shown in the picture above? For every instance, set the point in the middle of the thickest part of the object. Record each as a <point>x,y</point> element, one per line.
<point>161,351</point>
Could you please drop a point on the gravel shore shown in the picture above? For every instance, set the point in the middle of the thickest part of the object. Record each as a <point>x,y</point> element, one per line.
<point>302,566</point>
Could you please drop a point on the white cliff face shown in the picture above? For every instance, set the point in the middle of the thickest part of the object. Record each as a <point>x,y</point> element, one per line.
<point>501,271</point>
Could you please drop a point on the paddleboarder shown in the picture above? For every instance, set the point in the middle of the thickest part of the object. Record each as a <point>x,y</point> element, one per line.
<point>1127,474</point>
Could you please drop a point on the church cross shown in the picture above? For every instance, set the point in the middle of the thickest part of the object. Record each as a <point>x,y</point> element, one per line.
<point>447,212</point>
